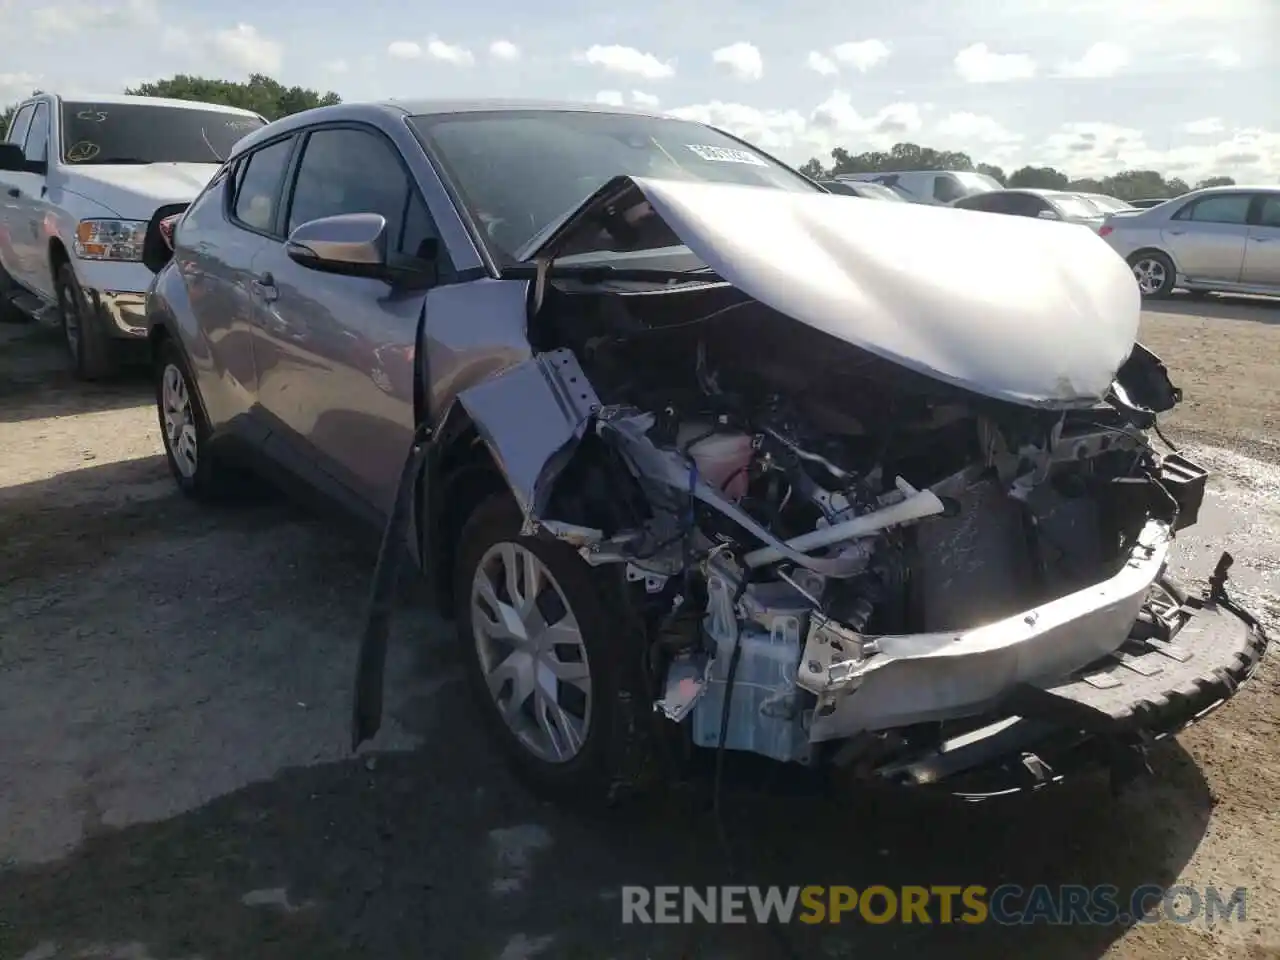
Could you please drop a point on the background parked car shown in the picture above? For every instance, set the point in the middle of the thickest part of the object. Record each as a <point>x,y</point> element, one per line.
<point>1043,204</point>
<point>1149,202</point>
<point>867,191</point>
<point>1218,239</point>
<point>931,186</point>
<point>1105,203</point>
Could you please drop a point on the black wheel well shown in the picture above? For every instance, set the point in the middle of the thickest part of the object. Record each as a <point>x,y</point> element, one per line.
<point>465,476</point>
<point>58,257</point>
<point>1147,251</point>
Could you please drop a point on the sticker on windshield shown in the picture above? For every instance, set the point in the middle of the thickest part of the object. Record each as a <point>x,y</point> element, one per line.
<point>82,151</point>
<point>93,116</point>
<point>725,154</point>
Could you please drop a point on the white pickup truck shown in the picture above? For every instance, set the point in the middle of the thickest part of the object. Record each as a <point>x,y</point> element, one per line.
<point>84,183</point>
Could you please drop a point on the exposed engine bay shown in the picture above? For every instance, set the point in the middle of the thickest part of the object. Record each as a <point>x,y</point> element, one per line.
<point>858,558</point>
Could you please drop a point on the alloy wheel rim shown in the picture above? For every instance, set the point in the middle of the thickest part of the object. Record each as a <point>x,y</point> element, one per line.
<point>179,421</point>
<point>71,321</point>
<point>531,652</point>
<point>1149,274</point>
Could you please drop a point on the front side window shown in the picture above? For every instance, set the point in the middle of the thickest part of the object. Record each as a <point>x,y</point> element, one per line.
<point>112,133</point>
<point>259,177</point>
<point>519,171</point>
<point>344,170</point>
<point>38,136</point>
<point>1228,208</point>
<point>21,124</point>
<point>947,188</point>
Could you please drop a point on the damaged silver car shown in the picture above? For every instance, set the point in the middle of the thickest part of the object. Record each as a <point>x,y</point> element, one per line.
<point>697,453</point>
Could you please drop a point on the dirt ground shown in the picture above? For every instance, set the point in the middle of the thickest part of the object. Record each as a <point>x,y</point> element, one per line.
<point>175,780</point>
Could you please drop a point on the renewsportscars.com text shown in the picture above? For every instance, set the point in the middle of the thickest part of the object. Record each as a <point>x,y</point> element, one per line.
<point>1007,905</point>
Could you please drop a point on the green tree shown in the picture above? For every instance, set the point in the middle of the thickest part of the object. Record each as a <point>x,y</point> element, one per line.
<point>260,94</point>
<point>1039,178</point>
<point>813,169</point>
<point>996,173</point>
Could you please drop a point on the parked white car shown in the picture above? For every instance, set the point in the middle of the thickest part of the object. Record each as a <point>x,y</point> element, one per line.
<point>83,186</point>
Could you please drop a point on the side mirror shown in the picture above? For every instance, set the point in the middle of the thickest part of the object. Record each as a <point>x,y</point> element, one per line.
<point>351,244</point>
<point>12,160</point>
<point>1048,215</point>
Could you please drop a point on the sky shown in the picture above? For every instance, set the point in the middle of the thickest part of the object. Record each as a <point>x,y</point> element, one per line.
<point>1186,87</point>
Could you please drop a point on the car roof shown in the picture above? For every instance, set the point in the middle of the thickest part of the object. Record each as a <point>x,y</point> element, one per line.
<point>120,99</point>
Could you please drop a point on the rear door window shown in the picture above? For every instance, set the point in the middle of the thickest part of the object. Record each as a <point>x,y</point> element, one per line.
<point>259,179</point>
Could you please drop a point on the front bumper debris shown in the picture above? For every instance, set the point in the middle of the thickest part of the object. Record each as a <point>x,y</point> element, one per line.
<point>1107,713</point>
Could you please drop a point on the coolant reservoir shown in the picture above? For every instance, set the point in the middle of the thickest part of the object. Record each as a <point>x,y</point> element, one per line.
<point>722,458</point>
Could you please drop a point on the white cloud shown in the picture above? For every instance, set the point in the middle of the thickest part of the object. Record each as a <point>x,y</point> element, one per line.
<point>1102,59</point>
<point>629,60</point>
<point>16,86</point>
<point>1205,127</point>
<point>1223,57</point>
<point>979,64</point>
<point>836,115</point>
<point>63,18</point>
<point>975,128</point>
<point>437,49</point>
<point>404,50</point>
<point>771,130</point>
<point>646,100</point>
<point>612,98</point>
<point>504,50</point>
<point>244,47</point>
<point>821,63</point>
<point>337,66</point>
<point>742,59</point>
<point>862,55</point>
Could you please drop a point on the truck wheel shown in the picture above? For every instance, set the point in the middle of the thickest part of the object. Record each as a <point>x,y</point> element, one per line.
<point>552,662</point>
<point>92,353</point>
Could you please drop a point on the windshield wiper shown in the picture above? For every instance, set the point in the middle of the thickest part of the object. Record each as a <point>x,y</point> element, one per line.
<point>98,160</point>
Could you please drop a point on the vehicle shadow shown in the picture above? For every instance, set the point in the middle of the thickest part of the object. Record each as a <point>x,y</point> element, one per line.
<point>1221,307</point>
<point>36,380</point>
<point>438,852</point>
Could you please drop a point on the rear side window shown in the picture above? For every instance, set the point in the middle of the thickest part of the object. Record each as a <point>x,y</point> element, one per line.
<point>1229,208</point>
<point>21,124</point>
<point>259,177</point>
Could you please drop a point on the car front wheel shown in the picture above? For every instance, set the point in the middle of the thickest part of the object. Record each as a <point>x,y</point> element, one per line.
<point>550,659</point>
<point>92,352</point>
<point>1155,274</point>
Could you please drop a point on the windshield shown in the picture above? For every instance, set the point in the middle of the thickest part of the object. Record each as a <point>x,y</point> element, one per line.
<point>978,182</point>
<point>102,133</point>
<point>1107,203</point>
<point>518,171</point>
<point>1070,205</point>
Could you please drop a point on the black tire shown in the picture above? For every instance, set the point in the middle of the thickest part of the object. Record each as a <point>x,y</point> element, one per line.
<point>614,756</point>
<point>90,349</point>
<point>1150,262</point>
<point>211,480</point>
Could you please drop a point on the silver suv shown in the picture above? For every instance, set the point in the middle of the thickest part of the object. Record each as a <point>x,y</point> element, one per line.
<point>1224,239</point>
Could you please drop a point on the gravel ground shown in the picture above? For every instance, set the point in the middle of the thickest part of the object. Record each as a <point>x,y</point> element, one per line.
<point>174,697</point>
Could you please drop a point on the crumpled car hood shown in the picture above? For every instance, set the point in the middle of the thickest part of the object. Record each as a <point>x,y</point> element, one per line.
<point>1036,313</point>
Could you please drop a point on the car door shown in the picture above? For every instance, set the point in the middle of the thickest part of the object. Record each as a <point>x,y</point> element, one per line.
<point>1207,236</point>
<point>335,354</point>
<point>222,233</point>
<point>11,195</point>
<point>28,235</point>
<point>1262,249</point>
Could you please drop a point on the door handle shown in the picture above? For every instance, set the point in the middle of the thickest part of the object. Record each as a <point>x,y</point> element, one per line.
<point>1177,233</point>
<point>266,287</point>
<point>15,192</point>
<point>1259,239</point>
